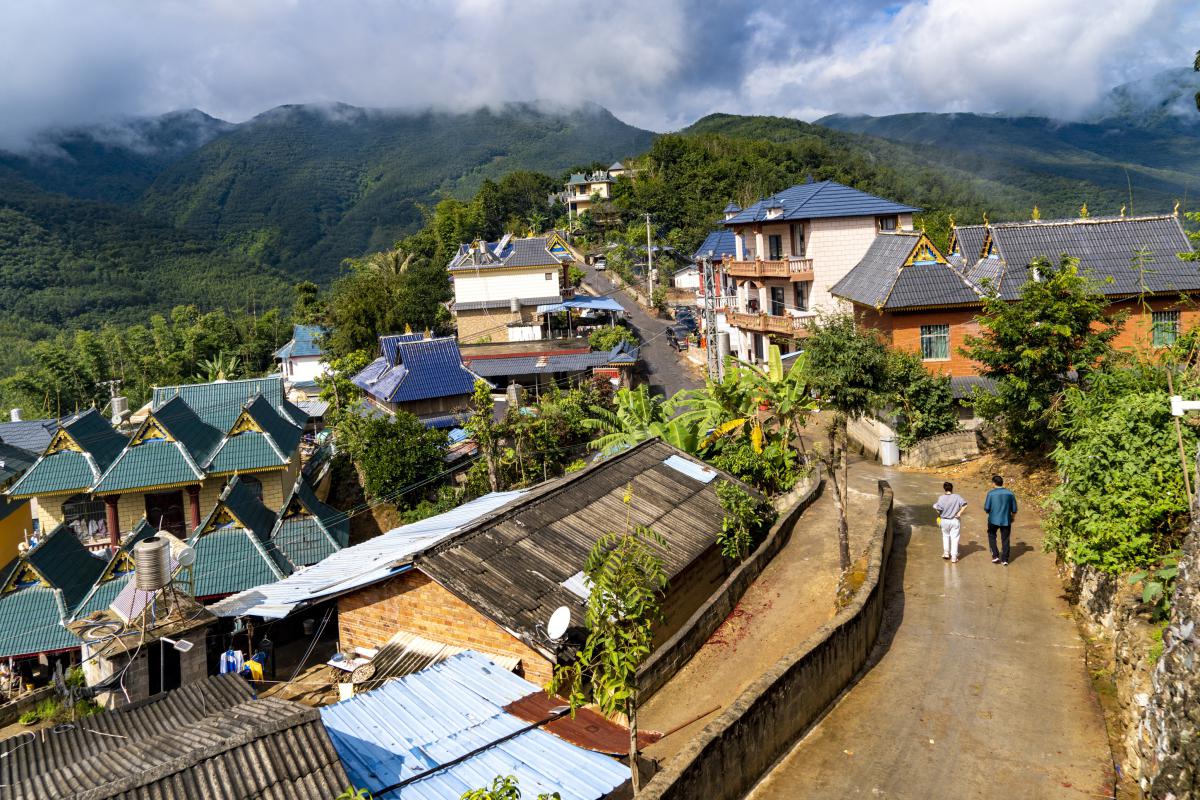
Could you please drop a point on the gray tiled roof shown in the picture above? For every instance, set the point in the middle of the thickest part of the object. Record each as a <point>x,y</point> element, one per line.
<point>533,251</point>
<point>968,242</point>
<point>817,200</point>
<point>1105,248</point>
<point>881,279</point>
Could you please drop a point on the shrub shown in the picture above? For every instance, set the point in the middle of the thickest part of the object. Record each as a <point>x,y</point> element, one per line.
<point>605,339</point>
<point>773,471</point>
<point>745,518</point>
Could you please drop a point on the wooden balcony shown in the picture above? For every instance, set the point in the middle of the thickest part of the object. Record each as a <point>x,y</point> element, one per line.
<point>796,269</point>
<point>782,325</point>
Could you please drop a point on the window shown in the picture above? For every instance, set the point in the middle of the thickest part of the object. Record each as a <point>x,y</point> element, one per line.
<point>887,223</point>
<point>798,239</point>
<point>1165,328</point>
<point>549,276</point>
<point>777,301</point>
<point>800,295</point>
<point>935,342</point>
<point>774,247</point>
<point>85,516</point>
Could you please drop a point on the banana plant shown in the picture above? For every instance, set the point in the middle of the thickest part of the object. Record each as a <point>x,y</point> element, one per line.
<point>637,416</point>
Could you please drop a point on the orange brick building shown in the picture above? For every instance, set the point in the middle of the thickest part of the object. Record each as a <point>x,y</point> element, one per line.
<point>927,303</point>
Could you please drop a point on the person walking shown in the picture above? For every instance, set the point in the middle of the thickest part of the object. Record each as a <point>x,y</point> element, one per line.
<point>949,508</point>
<point>1001,507</point>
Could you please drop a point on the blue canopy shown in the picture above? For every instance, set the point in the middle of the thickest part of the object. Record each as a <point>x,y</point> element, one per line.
<point>584,301</point>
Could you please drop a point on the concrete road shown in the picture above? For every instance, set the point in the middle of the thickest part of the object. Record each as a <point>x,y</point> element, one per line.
<point>980,688</point>
<point>668,372</point>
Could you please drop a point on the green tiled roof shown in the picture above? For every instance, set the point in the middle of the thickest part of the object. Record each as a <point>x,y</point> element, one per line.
<point>149,463</point>
<point>66,564</point>
<point>102,595</point>
<point>64,471</point>
<point>285,433</point>
<point>31,621</point>
<point>231,560</point>
<point>333,521</point>
<point>245,505</point>
<point>304,541</point>
<point>199,437</point>
<point>246,451</point>
<point>219,404</point>
<point>94,434</point>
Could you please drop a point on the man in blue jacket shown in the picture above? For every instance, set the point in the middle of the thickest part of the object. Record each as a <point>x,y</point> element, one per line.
<point>1001,506</point>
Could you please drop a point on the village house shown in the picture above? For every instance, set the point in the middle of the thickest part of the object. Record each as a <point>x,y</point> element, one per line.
<point>790,249</point>
<point>302,361</point>
<point>101,482</point>
<point>422,376</point>
<point>488,575</point>
<point>20,442</point>
<point>499,285</point>
<point>927,303</point>
<point>213,738</point>
<point>583,190</point>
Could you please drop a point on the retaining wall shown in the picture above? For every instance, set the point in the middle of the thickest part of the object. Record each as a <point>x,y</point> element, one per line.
<point>742,744</point>
<point>687,641</point>
<point>941,450</point>
<point>866,432</point>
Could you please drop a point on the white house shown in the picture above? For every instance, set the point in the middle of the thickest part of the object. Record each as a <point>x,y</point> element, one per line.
<point>301,360</point>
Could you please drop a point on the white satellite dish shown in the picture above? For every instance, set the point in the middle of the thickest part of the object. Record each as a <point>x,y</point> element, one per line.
<point>559,621</point>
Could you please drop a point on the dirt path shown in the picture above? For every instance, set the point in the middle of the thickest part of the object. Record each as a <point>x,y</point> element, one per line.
<point>791,598</point>
<point>980,689</point>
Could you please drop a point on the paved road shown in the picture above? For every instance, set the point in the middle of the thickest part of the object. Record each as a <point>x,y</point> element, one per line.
<point>980,690</point>
<point>667,371</point>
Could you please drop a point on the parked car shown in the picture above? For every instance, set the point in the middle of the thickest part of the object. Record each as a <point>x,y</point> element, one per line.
<point>600,264</point>
<point>677,337</point>
<point>689,323</point>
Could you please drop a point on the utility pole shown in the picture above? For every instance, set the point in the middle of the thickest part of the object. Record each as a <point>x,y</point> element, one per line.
<point>649,266</point>
<point>710,319</point>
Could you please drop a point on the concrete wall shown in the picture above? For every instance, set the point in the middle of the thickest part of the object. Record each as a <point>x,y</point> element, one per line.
<point>412,602</point>
<point>491,324</point>
<point>11,712</point>
<point>835,245</point>
<point>672,654</point>
<point>867,432</point>
<point>941,450</point>
<point>304,368</point>
<point>741,745</point>
<point>193,666</point>
<point>505,284</point>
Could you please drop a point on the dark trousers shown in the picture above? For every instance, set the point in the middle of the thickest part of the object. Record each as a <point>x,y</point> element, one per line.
<point>1005,530</point>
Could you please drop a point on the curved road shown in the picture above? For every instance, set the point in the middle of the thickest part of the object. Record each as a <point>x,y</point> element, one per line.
<point>979,688</point>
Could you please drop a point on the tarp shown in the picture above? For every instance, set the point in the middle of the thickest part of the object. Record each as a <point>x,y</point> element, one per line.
<point>584,302</point>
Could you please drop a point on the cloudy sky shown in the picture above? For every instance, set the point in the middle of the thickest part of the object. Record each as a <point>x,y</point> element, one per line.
<point>655,63</point>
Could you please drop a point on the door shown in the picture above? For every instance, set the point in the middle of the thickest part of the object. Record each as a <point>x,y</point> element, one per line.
<point>162,662</point>
<point>164,510</point>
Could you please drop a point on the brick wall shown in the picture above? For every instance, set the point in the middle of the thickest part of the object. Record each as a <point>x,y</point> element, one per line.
<point>490,323</point>
<point>413,602</point>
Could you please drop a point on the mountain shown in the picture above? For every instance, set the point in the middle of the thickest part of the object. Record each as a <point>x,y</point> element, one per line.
<point>307,186</point>
<point>1137,151</point>
<point>1166,100</point>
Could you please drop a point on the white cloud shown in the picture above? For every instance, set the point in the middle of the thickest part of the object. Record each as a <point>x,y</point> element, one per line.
<point>658,64</point>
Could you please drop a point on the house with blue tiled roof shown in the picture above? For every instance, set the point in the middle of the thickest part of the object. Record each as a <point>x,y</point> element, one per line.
<point>423,376</point>
<point>302,361</point>
<point>101,482</point>
<point>789,249</point>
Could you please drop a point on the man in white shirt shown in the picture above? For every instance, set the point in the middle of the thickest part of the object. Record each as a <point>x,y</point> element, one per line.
<point>949,508</point>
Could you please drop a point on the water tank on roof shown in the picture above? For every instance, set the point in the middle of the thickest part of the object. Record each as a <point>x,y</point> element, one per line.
<point>15,415</point>
<point>152,563</point>
<point>514,305</point>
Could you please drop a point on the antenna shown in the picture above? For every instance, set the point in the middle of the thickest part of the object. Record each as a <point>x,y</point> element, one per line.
<point>557,626</point>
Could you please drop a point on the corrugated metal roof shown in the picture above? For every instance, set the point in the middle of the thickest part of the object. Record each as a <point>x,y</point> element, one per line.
<point>207,739</point>
<point>409,728</point>
<point>583,302</point>
<point>511,566</point>
<point>535,365</point>
<point>360,565</point>
<point>816,200</point>
<point>406,653</point>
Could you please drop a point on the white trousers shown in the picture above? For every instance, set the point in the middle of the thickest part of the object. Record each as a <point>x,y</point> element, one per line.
<point>950,531</point>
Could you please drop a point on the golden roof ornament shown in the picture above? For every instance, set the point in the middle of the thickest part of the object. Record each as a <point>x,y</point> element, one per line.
<point>952,225</point>
<point>1083,212</point>
<point>1122,212</point>
<point>985,219</point>
<point>1037,214</point>
<point>1176,211</point>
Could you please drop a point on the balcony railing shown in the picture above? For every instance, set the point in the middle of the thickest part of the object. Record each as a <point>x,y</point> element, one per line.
<point>792,268</point>
<point>784,325</point>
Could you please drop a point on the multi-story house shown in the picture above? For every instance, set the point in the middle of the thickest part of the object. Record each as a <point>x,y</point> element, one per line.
<point>584,189</point>
<point>790,249</point>
<point>422,376</point>
<point>928,303</point>
<point>499,285</point>
<point>302,361</point>
<point>101,483</point>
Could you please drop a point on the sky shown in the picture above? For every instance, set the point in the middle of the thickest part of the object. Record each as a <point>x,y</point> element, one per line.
<point>658,64</point>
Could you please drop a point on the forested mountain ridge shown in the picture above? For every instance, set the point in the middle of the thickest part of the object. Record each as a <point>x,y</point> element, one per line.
<point>306,186</point>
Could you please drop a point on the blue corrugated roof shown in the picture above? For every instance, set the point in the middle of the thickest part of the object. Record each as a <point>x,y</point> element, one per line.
<point>719,243</point>
<point>303,342</point>
<point>360,565</point>
<point>411,726</point>
<point>415,368</point>
<point>821,199</point>
<point>585,302</point>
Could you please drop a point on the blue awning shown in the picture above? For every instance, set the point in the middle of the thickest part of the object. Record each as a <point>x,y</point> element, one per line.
<point>585,302</point>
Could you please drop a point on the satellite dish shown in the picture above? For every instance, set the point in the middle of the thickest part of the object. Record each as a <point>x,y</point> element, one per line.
<point>186,556</point>
<point>559,621</point>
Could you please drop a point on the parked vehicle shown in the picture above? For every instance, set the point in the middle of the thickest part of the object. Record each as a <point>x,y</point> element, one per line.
<point>689,323</point>
<point>677,337</point>
<point>600,264</point>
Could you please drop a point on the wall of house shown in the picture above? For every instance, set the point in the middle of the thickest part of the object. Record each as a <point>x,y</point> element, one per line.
<point>505,284</point>
<point>193,666</point>
<point>689,590</point>
<point>307,368</point>
<point>836,245</point>
<point>412,602</point>
<point>491,324</point>
<point>13,528</point>
<point>903,331</point>
<point>1136,334</point>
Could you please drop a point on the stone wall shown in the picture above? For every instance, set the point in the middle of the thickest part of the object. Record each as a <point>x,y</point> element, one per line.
<point>737,748</point>
<point>1170,723</point>
<point>11,711</point>
<point>941,450</point>
<point>866,433</point>
<point>669,657</point>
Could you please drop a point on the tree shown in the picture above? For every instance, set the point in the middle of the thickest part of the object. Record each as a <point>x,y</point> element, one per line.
<point>483,429</point>
<point>504,788</point>
<point>308,308</point>
<point>638,415</point>
<point>745,517</point>
<point>923,402</point>
<point>627,577</point>
<point>848,371</point>
<point>607,338</point>
<point>392,453</point>
<point>336,387</point>
<point>1054,336</point>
